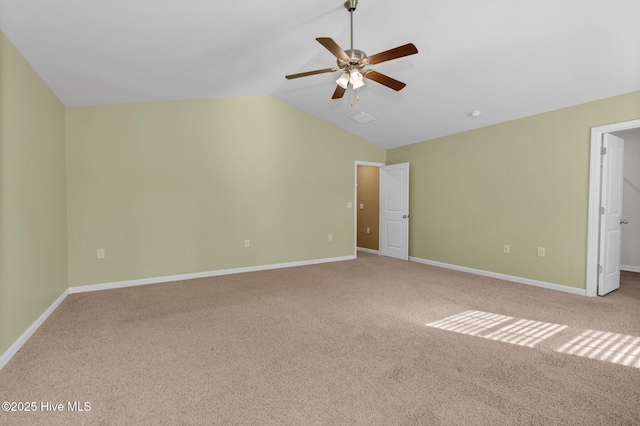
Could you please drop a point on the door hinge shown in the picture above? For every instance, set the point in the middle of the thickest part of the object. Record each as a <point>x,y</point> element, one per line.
<point>600,269</point>
<point>601,210</point>
<point>603,150</point>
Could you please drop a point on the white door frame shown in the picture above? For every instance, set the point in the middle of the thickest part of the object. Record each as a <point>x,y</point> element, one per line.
<point>593,233</point>
<point>355,201</point>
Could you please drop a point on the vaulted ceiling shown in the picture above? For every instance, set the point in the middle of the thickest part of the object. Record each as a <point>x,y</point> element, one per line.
<point>505,58</point>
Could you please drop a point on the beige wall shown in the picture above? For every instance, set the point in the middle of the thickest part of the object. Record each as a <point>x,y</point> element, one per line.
<point>369,197</point>
<point>177,187</point>
<point>33,249</point>
<point>523,183</point>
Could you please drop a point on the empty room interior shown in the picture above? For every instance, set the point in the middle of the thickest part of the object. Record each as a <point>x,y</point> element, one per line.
<point>231,214</point>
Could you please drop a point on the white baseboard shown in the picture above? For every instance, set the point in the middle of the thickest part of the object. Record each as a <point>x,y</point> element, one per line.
<point>182,277</point>
<point>15,347</point>
<point>630,268</point>
<point>366,250</point>
<point>520,280</point>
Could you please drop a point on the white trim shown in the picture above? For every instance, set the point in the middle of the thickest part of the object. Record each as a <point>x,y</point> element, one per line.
<point>368,163</point>
<point>355,199</point>
<point>20,341</point>
<point>182,277</point>
<point>499,276</point>
<point>366,250</point>
<point>593,228</point>
<point>630,268</point>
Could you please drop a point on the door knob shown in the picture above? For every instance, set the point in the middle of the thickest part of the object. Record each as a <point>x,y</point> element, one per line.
<point>405,216</point>
<point>623,222</point>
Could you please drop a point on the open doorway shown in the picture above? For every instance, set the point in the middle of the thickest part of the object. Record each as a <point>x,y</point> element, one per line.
<point>368,209</point>
<point>393,211</point>
<point>367,192</point>
<point>630,229</point>
<point>607,256</point>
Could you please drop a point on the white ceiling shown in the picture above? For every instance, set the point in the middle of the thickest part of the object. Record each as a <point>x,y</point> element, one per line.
<point>506,58</point>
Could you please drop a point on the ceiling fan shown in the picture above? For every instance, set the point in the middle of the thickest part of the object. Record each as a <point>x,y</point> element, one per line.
<point>352,62</point>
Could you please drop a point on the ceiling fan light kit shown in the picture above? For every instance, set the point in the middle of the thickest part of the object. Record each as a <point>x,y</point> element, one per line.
<point>343,81</point>
<point>353,61</point>
<point>356,79</point>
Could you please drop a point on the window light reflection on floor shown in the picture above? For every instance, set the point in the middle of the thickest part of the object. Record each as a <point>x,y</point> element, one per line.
<point>516,331</point>
<point>605,346</point>
<point>600,345</point>
<point>526,332</point>
<point>470,322</point>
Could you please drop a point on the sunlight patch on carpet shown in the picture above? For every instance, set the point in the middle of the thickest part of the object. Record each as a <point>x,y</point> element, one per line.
<point>470,322</point>
<point>515,331</point>
<point>526,332</point>
<point>605,346</point>
<point>600,345</point>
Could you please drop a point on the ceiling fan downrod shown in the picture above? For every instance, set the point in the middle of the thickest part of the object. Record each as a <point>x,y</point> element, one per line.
<point>356,57</point>
<point>351,5</point>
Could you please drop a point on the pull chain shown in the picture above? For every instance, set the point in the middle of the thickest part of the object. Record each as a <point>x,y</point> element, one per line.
<point>357,95</point>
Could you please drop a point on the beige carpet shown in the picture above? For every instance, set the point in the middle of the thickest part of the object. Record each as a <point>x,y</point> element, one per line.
<point>335,344</point>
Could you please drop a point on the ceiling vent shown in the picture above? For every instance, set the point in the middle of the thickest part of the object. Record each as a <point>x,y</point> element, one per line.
<point>361,118</point>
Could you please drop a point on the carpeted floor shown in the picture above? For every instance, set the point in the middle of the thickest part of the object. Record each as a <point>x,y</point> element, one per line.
<point>373,341</point>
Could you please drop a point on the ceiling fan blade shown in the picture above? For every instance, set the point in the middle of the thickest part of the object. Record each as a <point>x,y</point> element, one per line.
<point>339,92</point>
<point>333,47</point>
<point>304,74</point>
<point>395,53</point>
<point>384,80</point>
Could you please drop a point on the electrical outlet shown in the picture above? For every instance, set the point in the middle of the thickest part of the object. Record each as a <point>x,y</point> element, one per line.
<point>541,252</point>
<point>247,243</point>
<point>100,254</point>
<point>349,205</point>
<point>507,248</point>
<point>330,237</point>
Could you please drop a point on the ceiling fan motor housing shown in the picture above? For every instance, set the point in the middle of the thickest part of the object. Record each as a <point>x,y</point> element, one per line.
<point>356,59</point>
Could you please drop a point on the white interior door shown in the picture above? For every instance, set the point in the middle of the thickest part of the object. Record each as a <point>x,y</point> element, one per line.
<point>611,213</point>
<point>394,211</point>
